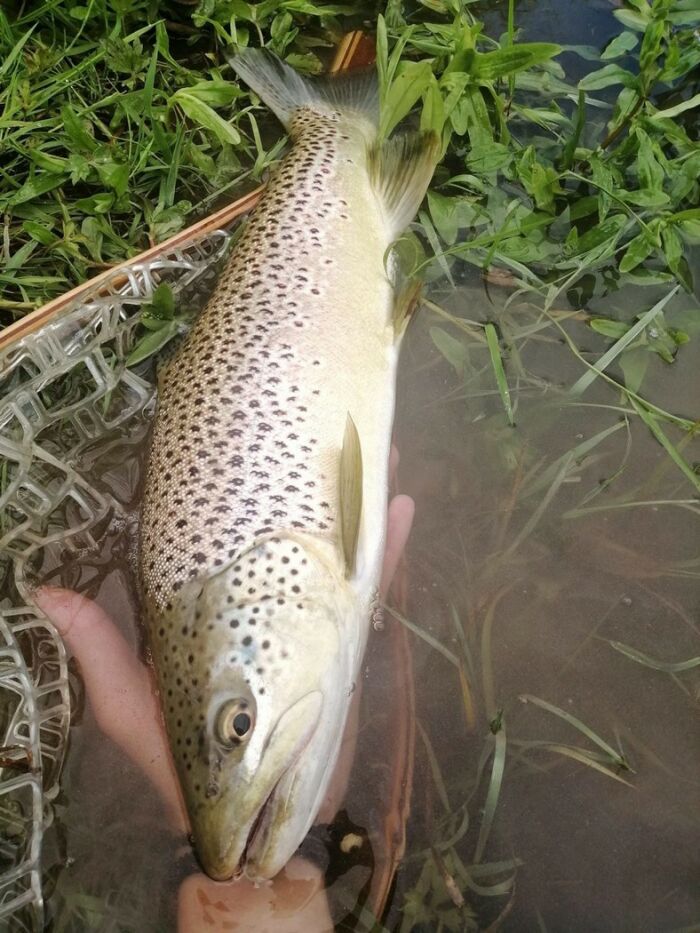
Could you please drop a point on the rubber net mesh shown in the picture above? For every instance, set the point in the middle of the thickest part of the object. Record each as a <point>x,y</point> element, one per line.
<point>64,390</point>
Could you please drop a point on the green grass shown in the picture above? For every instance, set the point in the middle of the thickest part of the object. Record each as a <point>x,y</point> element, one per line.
<point>120,124</point>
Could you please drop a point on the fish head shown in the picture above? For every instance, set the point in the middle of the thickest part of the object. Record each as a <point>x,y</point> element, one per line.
<point>256,713</point>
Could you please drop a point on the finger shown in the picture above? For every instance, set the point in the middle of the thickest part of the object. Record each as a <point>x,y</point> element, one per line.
<point>399,520</point>
<point>119,688</point>
<point>338,787</point>
<point>401,511</point>
<point>293,901</point>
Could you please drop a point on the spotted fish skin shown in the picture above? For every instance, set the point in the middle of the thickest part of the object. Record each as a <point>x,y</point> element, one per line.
<point>247,595</point>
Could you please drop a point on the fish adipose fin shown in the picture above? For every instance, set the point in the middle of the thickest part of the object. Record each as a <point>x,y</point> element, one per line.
<point>350,481</point>
<point>284,90</point>
<point>400,169</point>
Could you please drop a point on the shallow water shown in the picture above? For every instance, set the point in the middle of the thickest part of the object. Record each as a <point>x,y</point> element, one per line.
<point>539,603</point>
<point>530,560</point>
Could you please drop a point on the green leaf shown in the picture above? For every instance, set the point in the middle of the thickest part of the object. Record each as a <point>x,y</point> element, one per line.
<point>671,112</point>
<point>668,667</point>
<point>204,116</point>
<point>34,187</point>
<point>411,82</point>
<point>79,167</point>
<point>617,348</point>
<point>96,203</point>
<point>634,364</point>
<point>652,48</point>
<point>453,350</point>
<point>651,174</point>
<point>470,115</point>
<point>690,230</point>
<point>672,247</point>
<point>606,232</point>
<point>39,232</point>
<point>216,93</point>
<point>652,422</point>
<point>74,128</point>
<point>488,66</point>
<point>152,342</point>
<point>162,303</point>
<point>645,197</point>
<point>499,372</point>
<point>18,259</point>
<point>382,55</point>
<point>490,158</point>
<point>605,77</point>
<point>619,46</point>
<point>608,328</point>
<point>433,114</point>
<point>631,20</point>
<point>449,215</point>
<point>48,162</point>
<point>637,251</point>
<point>113,175</point>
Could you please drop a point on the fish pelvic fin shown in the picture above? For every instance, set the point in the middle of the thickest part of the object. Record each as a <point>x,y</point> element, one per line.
<point>284,90</point>
<point>350,490</point>
<point>400,169</point>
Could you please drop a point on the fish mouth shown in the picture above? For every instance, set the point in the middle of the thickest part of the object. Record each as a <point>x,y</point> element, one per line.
<point>256,830</point>
<point>245,852</point>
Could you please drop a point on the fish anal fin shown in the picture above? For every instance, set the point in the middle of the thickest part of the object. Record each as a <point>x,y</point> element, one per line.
<point>400,169</point>
<point>350,494</point>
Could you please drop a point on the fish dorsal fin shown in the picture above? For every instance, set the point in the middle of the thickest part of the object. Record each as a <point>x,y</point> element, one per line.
<point>284,90</point>
<point>350,494</point>
<point>400,169</point>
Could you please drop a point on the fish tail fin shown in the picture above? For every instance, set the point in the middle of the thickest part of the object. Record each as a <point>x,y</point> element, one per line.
<point>400,169</point>
<point>284,90</point>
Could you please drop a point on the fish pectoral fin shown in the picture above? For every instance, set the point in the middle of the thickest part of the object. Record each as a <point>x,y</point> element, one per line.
<point>284,90</point>
<point>350,494</point>
<point>400,169</point>
<point>406,300</point>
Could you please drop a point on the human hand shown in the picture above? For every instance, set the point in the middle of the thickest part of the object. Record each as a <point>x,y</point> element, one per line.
<point>123,697</point>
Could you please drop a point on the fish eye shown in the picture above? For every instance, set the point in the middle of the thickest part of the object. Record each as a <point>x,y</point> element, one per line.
<point>234,722</point>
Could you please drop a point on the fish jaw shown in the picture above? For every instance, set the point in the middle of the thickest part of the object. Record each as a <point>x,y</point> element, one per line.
<point>226,828</point>
<point>297,798</point>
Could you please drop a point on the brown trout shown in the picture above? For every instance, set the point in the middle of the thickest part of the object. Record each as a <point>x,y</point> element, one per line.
<point>264,513</point>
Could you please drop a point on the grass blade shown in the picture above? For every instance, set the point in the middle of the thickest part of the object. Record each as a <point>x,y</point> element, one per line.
<point>494,791</point>
<point>668,667</point>
<point>430,639</point>
<point>584,758</point>
<point>616,349</point>
<point>577,724</point>
<point>651,422</point>
<point>499,371</point>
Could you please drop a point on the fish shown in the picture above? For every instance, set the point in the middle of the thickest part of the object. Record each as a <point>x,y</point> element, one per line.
<point>263,519</point>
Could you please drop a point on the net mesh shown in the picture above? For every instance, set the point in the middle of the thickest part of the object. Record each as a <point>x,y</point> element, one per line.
<point>63,389</point>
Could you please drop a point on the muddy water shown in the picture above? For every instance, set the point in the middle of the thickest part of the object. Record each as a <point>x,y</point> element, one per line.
<point>542,584</point>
